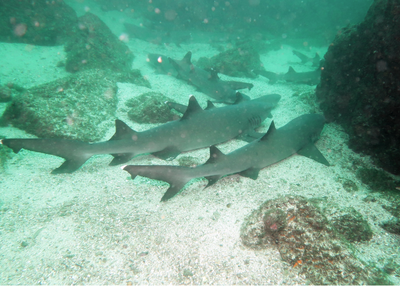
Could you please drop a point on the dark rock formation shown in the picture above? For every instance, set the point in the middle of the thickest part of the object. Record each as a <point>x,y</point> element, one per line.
<point>150,107</point>
<point>45,23</point>
<point>95,46</point>
<point>360,86</point>
<point>81,107</point>
<point>307,241</point>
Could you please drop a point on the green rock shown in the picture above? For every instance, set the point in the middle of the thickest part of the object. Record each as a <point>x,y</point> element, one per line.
<point>95,46</point>
<point>150,107</point>
<point>81,106</point>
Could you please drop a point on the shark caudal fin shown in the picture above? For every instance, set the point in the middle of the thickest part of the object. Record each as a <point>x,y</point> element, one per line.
<point>176,176</point>
<point>74,152</point>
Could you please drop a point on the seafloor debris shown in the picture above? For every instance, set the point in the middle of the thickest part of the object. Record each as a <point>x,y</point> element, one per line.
<point>306,240</point>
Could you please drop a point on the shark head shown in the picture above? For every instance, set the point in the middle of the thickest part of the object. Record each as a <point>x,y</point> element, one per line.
<point>312,125</point>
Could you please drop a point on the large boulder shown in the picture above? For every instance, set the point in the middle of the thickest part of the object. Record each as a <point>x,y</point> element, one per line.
<point>360,87</point>
<point>95,46</point>
<point>307,241</point>
<point>45,23</point>
<point>81,106</point>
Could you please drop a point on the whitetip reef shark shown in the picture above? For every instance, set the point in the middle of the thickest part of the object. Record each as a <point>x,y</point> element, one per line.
<point>298,136</point>
<point>310,77</point>
<point>306,59</point>
<point>198,128</point>
<point>208,82</point>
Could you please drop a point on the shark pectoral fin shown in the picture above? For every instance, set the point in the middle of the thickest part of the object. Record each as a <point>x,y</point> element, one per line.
<point>251,173</point>
<point>168,153</point>
<point>69,166</point>
<point>310,151</point>
<point>250,136</point>
<point>172,191</point>
<point>121,158</point>
<point>212,180</point>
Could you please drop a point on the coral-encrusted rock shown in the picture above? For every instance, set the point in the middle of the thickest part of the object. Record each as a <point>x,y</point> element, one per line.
<point>360,87</point>
<point>307,241</point>
<point>95,46</point>
<point>45,23</point>
<point>81,106</point>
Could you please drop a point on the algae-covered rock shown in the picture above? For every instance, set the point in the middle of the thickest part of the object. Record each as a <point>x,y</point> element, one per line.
<point>307,241</point>
<point>349,223</point>
<point>81,106</point>
<point>47,23</point>
<point>238,62</point>
<point>150,107</point>
<point>95,46</point>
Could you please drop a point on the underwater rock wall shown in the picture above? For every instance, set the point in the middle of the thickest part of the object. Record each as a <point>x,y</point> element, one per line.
<point>360,85</point>
<point>45,23</point>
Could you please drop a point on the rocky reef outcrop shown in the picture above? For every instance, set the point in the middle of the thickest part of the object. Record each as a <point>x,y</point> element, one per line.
<point>360,84</point>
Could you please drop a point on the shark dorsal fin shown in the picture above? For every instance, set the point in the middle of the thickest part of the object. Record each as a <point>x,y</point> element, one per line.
<point>122,131</point>
<point>214,75</point>
<point>192,108</point>
<point>215,155</point>
<point>271,130</point>
<point>210,105</point>
<point>187,59</point>
<point>291,70</point>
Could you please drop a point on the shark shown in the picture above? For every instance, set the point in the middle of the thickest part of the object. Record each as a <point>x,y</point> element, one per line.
<point>208,82</point>
<point>157,37</point>
<point>297,136</point>
<point>306,59</point>
<point>310,77</point>
<point>198,128</point>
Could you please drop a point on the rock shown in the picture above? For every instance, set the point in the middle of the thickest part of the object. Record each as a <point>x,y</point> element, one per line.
<point>95,46</point>
<point>359,86</point>
<point>307,241</point>
<point>377,180</point>
<point>348,222</point>
<point>237,62</point>
<point>46,23</point>
<point>81,106</point>
<point>5,94</point>
<point>150,107</point>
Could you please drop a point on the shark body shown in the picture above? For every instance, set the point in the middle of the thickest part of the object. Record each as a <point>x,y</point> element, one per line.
<point>298,136</point>
<point>306,59</point>
<point>196,129</point>
<point>207,82</point>
<point>310,77</point>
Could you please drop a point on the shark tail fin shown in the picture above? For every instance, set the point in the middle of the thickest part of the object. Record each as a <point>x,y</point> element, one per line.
<point>74,152</point>
<point>122,132</point>
<point>176,176</point>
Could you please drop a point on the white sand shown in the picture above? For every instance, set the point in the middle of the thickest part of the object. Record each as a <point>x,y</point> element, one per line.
<point>97,226</point>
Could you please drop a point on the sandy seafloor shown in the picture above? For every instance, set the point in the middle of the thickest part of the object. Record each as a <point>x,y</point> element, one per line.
<point>97,226</point>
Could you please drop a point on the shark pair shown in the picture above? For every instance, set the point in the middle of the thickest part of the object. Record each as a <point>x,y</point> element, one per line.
<point>198,128</point>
